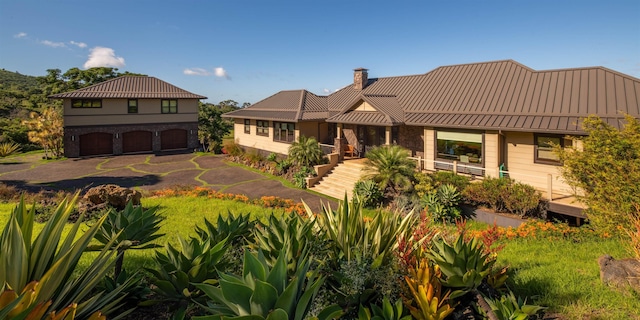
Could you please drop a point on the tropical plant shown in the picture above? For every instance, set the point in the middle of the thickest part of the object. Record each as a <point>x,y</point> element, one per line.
<point>465,264</point>
<point>368,192</point>
<point>306,151</point>
<point>133,228</point>
<point>605,172</point>
<point>264,292</point>
<point>8,148</point>
<point>211,127</point>
<point>442,203</point>
<point>429,301</point>
<point>44,271</point>
<point>196,261</point>
<point>508,307</point>
<point>299,177</point>
<point>233,148</point>
<point>237,229</point>
<point>387,312</point>
<point>291,235</point>
<point>390,167</point>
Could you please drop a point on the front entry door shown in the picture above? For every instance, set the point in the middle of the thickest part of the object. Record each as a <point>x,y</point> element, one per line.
<point>369,137</point>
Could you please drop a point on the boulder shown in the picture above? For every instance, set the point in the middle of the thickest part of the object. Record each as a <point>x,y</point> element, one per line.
<point>113,195</point>
<point>620,273</point>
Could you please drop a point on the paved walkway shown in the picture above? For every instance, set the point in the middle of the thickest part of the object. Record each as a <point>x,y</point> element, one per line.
<point>147,172</point>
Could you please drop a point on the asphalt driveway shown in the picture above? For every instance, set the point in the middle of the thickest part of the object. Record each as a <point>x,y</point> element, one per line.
<point>147,172</point>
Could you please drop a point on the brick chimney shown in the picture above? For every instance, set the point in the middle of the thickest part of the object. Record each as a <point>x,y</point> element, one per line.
<point>360,78</point>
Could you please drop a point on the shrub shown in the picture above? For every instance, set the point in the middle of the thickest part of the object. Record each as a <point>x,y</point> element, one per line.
<point>503,195</point>
<point>299,178</point>
<point>8,193</point>
<point>305,152</point>
<point>369,193</point>
<point>447,177</point>
<point>442,204</point>
<point>272,157</point>
<point>520,198</point>
<point>8,148</point>
<point>232,148</point>
<point>391,167</point>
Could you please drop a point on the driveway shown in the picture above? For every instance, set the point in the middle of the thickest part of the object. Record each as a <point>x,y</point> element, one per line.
<point>147,172</point>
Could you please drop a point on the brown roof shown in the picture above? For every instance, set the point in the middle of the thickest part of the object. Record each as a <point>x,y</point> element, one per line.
<point>139,87</point>
<point>501,95</point>
<point>293,105</point>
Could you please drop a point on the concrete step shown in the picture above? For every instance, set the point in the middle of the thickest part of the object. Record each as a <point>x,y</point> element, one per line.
<point>341,179</point>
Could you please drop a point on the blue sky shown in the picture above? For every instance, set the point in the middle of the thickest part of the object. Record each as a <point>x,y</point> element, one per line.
<point>248,50</point>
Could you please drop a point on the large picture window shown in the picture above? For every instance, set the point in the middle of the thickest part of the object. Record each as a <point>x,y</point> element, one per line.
<point>283,131</point>
<point>262,128</point>
<point>459,146</point>
<point>247,126</point>
<point>169,106</point>
<point>544,144</point>
<point>86,103</point>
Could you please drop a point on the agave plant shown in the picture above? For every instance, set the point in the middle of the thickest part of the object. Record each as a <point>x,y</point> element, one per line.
<point>442,203</point>
<point>236,229</point>
<point>290,236</point>
<point>42,270</point>
<point>429,302</point>
<point>8,148</point>
<point>387,312</point>
<point>508,307</point>
<point>131,228</point>
<point>264,292</point>
<point>196,261</point>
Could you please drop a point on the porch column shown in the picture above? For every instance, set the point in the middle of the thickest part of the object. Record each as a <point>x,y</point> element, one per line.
<point>491,153</point>
<point>339,131</point>
<point>339,144</point>
<point>429,148</point>
<point>387,136</point>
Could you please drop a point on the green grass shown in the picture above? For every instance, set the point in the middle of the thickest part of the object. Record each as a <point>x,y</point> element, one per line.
<point>564,275</point>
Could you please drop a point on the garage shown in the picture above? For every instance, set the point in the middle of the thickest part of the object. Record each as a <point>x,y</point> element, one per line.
<point>137,141</point>
<point>96,143</point>
<point>173,139</point>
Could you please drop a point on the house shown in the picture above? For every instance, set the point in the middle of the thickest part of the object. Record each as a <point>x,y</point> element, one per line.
<point>129,114</point>
<point>482,119</point>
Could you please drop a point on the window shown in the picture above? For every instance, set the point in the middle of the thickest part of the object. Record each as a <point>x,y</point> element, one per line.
<point>86,103</point>
<point>262,128</point>
<point>247,126</point>
<point>169,106</point>
<point>459,146</point>
<point>543,151</point>
<point>283,131</point>
<point>133,105</point>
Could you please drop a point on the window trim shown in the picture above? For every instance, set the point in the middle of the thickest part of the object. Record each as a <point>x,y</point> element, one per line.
<point>169,106</point>
<point>83,101</point>
<point>536,159</point>
<point>129,107</point>
<point>276,130</point>
<point>247,126</point>
<point>261,125</point>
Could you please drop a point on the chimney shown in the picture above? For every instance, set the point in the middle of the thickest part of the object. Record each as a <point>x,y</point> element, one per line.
<point>360,78</point>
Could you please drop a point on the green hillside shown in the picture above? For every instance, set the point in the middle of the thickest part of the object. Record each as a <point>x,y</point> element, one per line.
<point>16,80</point>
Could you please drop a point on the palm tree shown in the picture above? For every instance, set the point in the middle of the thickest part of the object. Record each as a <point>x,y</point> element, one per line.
<point>305,151</point>
<point>391,167</point>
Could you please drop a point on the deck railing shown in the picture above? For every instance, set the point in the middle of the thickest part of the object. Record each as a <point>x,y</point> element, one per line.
<point>326,148</point>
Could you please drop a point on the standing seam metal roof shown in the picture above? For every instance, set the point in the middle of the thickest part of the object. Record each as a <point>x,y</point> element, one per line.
<point>139,87</point>
<point>293,105</point>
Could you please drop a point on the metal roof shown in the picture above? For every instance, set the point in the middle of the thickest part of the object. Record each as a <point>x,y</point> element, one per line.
<point>138,87</point>
<point>292,105</point>
<point>503,95</point>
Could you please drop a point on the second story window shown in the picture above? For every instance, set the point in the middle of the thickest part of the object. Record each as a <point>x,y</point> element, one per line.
<point>86,103</point>
<point>247,126</point>
<point>169,106</point>
<point>133,106</point>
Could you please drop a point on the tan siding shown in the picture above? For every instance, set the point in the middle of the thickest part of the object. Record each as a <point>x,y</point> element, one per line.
<point>521,166</point>
<point>259,142</point>
<point>429,147</point>
<point>115,111</point>
<point>491,156</point>
<point>308,129</point>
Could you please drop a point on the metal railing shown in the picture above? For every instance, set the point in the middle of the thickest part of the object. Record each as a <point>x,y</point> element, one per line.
<point>326,148</point>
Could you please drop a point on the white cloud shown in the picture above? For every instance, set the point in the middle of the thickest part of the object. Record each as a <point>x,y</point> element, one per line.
<point>79,44</point>
<point>53,44</point>
<point>20,35</point>
<point>103,57</point>
<point>196,72</point>
<point>325,90</point>
<point>221,73</point>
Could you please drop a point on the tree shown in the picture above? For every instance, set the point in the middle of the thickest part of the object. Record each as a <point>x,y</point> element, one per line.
<point>391,167</point>
<point>46,129</point>
<point>606,172</point>
<point>211,127</point>
<point>306,151</point>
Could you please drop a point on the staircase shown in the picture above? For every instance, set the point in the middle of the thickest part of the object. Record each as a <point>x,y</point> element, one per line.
<point>342,178</point>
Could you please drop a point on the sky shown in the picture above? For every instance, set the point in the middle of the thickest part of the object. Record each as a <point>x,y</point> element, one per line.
<point>248,50</point>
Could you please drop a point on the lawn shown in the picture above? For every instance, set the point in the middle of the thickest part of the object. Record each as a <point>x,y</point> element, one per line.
<point>561,274</point>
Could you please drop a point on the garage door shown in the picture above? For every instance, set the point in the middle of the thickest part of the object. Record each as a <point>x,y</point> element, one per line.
<point>173,139</point>
<point>136,141</point>
<point>97,143</point>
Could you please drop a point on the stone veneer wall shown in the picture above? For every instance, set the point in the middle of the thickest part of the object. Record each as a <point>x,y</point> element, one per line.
<point>412,138</point>
<point>72,140</point>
